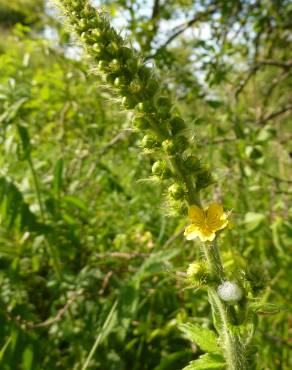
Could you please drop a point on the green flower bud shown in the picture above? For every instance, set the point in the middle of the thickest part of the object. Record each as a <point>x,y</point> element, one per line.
<point>181,208</point>
<point>144,73</point>
<point>120,82</point>
<point>192,163</point>
<point>181,143</point>
<point>86,11</point>
<point>140,122</point>
<point>152,87</point>
<point>110,78</point>
<point>84,36</point>
<point>176,191</point>
<point>135,86</point>
<point>161,170</point>
<point>146,106</point>
<point>197,274</point>
<point>169,147</point>
<point>163,113</point>
<point>82,24</point>
<point>132,66</point>
<point>102,66</point>
<point>97,34</point>
<point>163,101</point>
<point>129,102</point>
<point>112,49</point>
<point>125,53</point>
<point>163,105</point>
<point>115,66</point>
<point>98,50</point>
<point>204,179</point>
<point>77,5</point>
<point>149,142</point>
<point>177,124</point>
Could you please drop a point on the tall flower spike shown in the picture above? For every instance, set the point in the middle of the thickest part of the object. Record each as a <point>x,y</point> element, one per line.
<point>140,91</point>
<point>205,222</point>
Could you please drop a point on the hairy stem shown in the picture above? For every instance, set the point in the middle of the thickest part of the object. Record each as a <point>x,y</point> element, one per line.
<point>233,348</point>
<point>213,258</point>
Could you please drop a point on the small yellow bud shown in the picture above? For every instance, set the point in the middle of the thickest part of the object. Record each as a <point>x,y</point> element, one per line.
<point>197,273</point>
<point>176,191</point>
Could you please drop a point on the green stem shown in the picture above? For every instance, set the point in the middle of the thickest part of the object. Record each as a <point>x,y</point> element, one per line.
<point>100,336</point>
<point>213,258</point>
<point>234,350</point>
<point>193,195</point>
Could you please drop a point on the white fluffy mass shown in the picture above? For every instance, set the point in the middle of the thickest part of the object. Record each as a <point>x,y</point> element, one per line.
<point>229,291</point>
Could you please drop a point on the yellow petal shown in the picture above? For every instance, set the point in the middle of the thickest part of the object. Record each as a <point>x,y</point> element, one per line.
<point>191,232</point>
<point>206,235</point>
<point>216,219</point>
<point>197,216</point>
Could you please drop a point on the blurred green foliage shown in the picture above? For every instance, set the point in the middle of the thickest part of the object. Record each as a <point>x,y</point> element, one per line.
<point>91,262</point>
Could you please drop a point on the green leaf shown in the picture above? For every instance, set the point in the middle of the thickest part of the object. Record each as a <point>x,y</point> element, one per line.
<point>265,308</point>
<point>207,361</point>
<point>27,358</point>
<point>25,142</point>
<point>173,360</point>
<point>14,211</point>
<point>12,111</point>
<point>206,339</point>
<point>253,220</point>
<point>4,348</point>
<point>77,202</point>
<point>266,134</point>
<point>214,103</point>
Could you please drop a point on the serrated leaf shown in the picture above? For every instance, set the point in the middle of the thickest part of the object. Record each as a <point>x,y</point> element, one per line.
<point>207,361</point>
<point>205,338</point>
<point>216,310</point>
<point>265,308</point>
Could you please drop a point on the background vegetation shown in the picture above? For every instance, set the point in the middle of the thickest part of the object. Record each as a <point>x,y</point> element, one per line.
<point>92,263</point>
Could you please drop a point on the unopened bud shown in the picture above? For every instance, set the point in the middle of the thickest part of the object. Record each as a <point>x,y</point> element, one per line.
<point>129,102</point>
<point>169,147</point>
<point>144,73</point>
<point>181,143</point>
<point>161,170</point>
<point>140,122</point>
<point>176,191</point>
<point>197,273</point>
<point>145,106</point>
<point>204,179</point>
<point>149,142</point>
<point>177,124</point>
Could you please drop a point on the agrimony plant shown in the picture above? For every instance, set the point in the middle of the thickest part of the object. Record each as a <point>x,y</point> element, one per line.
<point>164,130</point>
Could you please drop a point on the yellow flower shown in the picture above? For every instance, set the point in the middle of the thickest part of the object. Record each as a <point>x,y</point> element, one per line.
<point>205,222</point>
